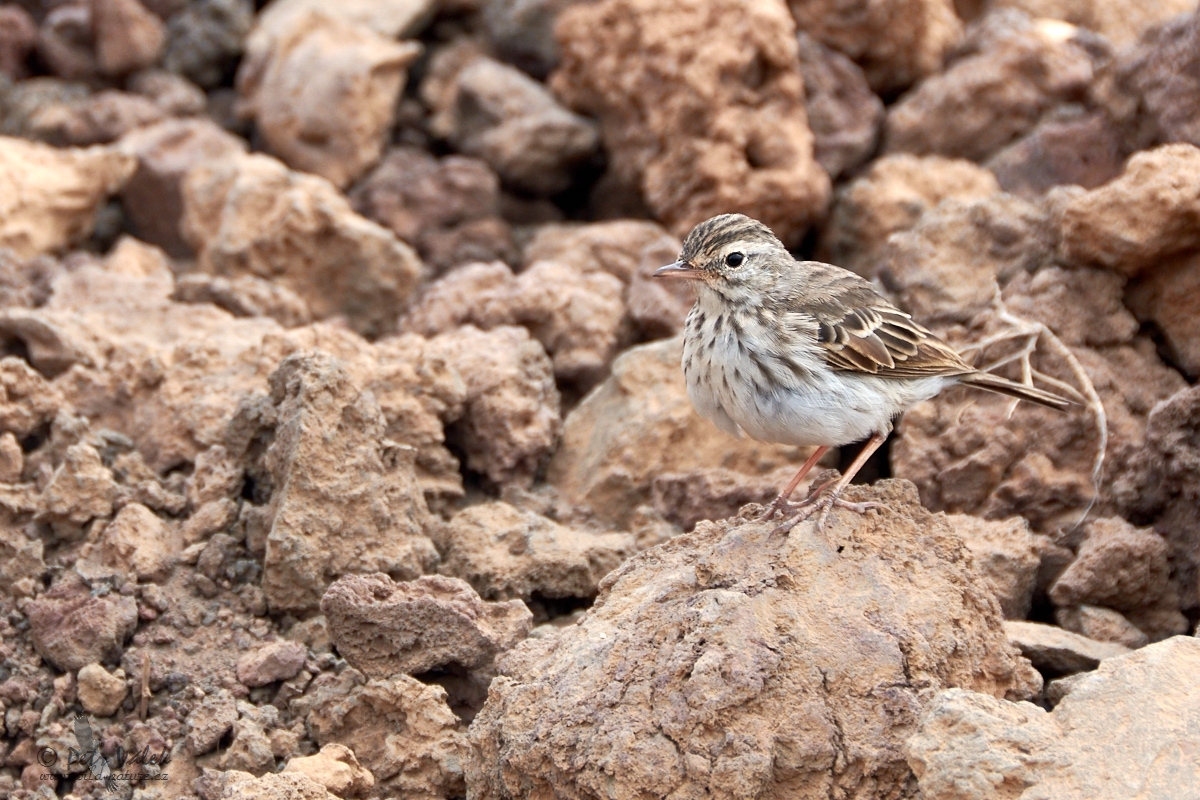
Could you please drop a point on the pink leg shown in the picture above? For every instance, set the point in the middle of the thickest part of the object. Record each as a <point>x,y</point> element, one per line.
<point>827,500</point>
<point>781,501</point>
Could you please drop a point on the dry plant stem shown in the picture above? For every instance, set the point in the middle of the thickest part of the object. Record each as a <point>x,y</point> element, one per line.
<point>1033,332</point>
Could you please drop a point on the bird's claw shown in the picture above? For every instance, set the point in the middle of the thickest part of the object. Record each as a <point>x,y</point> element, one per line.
<point>824,504</point>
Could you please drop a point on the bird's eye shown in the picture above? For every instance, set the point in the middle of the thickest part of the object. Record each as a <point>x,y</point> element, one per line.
<point>734,260</point>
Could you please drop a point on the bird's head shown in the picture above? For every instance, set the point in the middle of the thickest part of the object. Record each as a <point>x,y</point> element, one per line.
<point>732,255</point>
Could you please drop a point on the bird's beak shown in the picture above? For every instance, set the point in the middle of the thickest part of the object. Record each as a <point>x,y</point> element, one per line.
<point>680,269</point>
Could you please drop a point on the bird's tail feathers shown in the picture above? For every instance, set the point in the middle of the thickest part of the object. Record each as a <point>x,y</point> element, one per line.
<point>994,383</point>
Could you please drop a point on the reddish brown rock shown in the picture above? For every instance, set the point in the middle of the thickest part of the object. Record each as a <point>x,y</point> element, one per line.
<point>340,498</point>
<point>1148,214</point>
<point>383,628</point>
<point>843,112</point>
<point>732,136</point>
<point>274,661</point>
<point>71,628</point>
<point>1007,74</point>
<point>687,498</point>
<point>66,42</point>
<point>1079,150</point>
<point>18,37</point>
<point>505,552</point>
<point>128,36</point>
<point>890,197</point>
<point>1120,21</point>
<point>99,118</point>
<point>49,197</point>
<point>244,296</point>
<point>251,215</point>
<point>323,93</point>
<point>1168,296</point>
<point>896,42</point>
<point>701,641</point>
<point>153,197</point>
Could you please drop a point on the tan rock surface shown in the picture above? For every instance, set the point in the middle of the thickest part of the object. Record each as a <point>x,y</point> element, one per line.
<point>1120,21</point>
<point>384,628</point>
<point>674,681</point>
<point>340,498</point>
<point>1009,71</point>
<point>1101,624</point>
<point>1008,554</point>
<point>1052,649</point>
<point>896,42</point>
<point>238,785</point>
<point>1151,212</point>
<point>49,197</point>
<point>100,691</point>
<point>704,142</point>
<point>251,215</point>
<point>891,196</point>
<point>971,746</point>
<point>323,93</point>
<point>1166,296</point>
<point>335,768</point>
<point>639,424</point>
<point>136,541</point>
<point>505,552</point>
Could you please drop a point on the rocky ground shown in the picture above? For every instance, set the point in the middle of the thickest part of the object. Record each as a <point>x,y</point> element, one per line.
<point>344,450</point>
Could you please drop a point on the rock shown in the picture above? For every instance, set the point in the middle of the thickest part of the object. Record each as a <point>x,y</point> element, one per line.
<point>251,215</point>
<point>206,39</point>
<point>393,19</point>
<point>128,36</point>
<point>1101,624</point>
<point>497,113</point>
<point>511,419</point>
<point>80,490</point>
<point>577,316</point>
<point>701,641</point>
<point>66,42</point>
<point>1078,150</point>
<point>732,136</point>
<point>71,628</point>
<point>384,628</point>
<point>843,112</point>
<point>521,32</point>
<point>1165,296</point>
<point>138,542</point>
<point>1165,486</point>
<point>505,552</point>
<point>626,432</point>
<point>244,296</point>
<point>274,661</point>
<point>36,107</point>
<point>447,208</point>
<point>890,197</point>
<point>1133,223</point>
<point>401,730</point>
<point>1119,21</point>
<point>340,498</point>
<point>99,118</point>
<point>12,459</point>
<point>153,197</point>
<point>210,720</point>
<point>100,691</point>
<point>1122,732</point>
<point>962,449</point>
<point>27,400</point>
<point>250,751</point>
<point>896,42</point>
<point>18,38</point>
<point>49,197</point>
<point>1118,566</point>
<point>689,497</point>
<point>335,768</point>
<point>237,785</point>
<point>323,94</point>
<point>1008,554</point>
<point>174,94</point>
<point>1008,73</point>
<point>1156,83</point>
<point>1057,651</point>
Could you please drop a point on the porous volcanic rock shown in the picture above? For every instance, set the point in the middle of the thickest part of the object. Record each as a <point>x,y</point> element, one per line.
<point>49,197</point>
<point>731,135</point>
<point>323,94</point>
<point>891,196</point>
<point>843,112</point>
<point>639,424</point>
<point>1166,296</point>
<point>738,662</point>
<point>249,214</point>
<point>338,497</point>
<point>971,746</point>
<point>1135,222</point>
<point>71,628</point>
<point>1007,74</point>
<point>506,552</point>
<point>383,628</point>
<point>896,42</point>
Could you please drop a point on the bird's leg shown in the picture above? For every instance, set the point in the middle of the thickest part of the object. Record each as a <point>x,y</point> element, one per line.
<point>781,502</point>
<point>824,501</point>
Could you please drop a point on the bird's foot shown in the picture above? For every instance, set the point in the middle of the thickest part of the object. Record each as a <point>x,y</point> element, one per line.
<point>784,510</point>
<point>821,505</point>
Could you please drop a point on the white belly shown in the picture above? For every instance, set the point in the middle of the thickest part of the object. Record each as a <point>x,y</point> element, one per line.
<point>789,398</point>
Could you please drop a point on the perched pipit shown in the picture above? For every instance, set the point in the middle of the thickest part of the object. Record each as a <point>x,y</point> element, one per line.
<point>805,353</point>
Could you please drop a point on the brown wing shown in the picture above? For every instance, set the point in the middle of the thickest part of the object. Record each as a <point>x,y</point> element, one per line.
<point>860,331</point>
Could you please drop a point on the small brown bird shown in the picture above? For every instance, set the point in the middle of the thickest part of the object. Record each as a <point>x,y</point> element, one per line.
<point>805,353</point>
